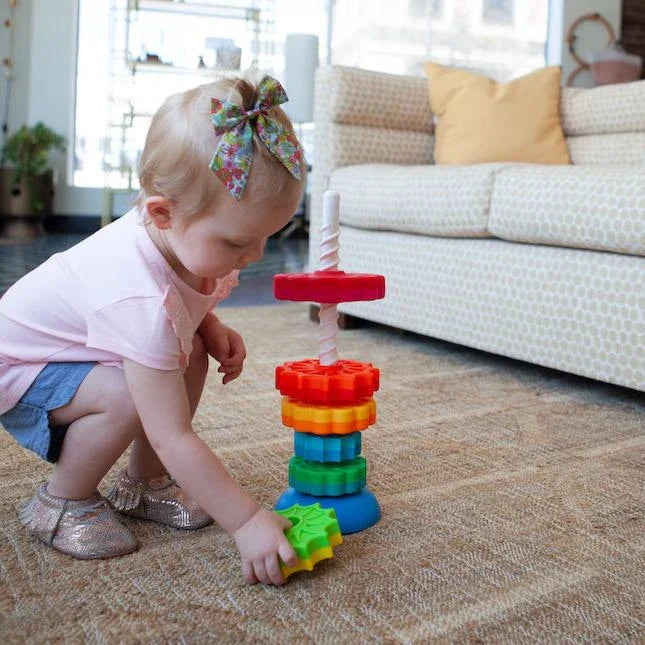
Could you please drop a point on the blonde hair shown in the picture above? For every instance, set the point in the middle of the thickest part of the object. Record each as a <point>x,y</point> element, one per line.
<point>181,142</point>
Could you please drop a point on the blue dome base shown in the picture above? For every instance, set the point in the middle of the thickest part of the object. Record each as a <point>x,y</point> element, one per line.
<point>355,512</point>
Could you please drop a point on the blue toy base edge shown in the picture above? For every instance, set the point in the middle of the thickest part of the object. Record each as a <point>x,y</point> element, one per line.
<point>355,512</point>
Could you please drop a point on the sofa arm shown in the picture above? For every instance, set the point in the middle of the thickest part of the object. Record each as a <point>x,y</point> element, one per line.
<point>364,117</point>
<point>353,96</point>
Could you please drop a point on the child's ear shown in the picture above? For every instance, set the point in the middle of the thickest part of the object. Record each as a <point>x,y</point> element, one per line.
<point>160,210</point>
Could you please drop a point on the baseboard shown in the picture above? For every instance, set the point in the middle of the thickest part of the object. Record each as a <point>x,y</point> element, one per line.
<point>86,224</point>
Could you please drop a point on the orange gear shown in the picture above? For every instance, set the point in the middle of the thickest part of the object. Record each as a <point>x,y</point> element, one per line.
<point>324,419</point>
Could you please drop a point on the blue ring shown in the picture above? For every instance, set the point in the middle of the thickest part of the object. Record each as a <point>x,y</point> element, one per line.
<point>355,512</point>
<point>327,448</point>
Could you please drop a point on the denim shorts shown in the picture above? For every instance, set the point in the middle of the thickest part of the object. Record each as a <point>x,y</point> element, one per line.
<point>28,420</point>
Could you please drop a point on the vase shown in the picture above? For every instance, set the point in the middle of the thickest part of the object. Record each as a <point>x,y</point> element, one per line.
<point>614,65</point>
<point>17,219</point>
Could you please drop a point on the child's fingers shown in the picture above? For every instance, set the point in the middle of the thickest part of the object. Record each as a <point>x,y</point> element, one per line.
<point>232,371</point>
<point>261,572</point>
<point>227,369</point>
<point>247,572</point>
<point>272,567</point>
<point>230,377</point>
<point>284,522</point>
<point>288,555</point>
<point>232,360</point>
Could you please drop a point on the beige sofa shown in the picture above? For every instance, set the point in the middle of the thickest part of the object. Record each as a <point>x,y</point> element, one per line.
<point>541,263</point>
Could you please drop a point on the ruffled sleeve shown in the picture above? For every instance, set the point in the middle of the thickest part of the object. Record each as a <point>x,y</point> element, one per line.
<point>224,287</point>
<point>183,324</point>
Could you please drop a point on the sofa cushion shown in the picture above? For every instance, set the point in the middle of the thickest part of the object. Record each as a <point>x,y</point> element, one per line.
<point>480,120</point>
<point>589,207</point>
<point>620,148</point>
<point>448,201</point>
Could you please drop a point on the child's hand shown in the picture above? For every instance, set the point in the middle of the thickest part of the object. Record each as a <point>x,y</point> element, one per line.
<point>226,346</point>
<point>260,541</point>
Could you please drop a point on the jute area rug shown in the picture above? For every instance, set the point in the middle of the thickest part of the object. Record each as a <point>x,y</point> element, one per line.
<point>512,498</point>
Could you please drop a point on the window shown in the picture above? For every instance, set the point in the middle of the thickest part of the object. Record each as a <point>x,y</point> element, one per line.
<point>398,37</point>
<point>420,8</point>
<point>497,12</point>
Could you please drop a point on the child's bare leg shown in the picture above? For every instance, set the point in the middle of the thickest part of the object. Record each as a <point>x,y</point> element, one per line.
<point>102,423</point>
<point>144,462</point>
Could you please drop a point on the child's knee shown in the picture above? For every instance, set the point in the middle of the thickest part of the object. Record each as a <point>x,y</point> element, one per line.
<point>116,397</point>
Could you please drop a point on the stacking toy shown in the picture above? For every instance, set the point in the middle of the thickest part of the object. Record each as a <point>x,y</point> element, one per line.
<point>328,402</point>
<point>313,535</point>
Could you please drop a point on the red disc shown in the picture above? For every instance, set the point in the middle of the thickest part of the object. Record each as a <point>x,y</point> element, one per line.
<point>344,382</point>
<point>328,286</point>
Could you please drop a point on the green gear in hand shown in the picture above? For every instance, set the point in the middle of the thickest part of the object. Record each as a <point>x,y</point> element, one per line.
<point>313,534</point>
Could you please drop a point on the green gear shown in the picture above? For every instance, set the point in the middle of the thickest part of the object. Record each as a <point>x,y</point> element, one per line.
<point>327,479</point>
<point>313,534</point>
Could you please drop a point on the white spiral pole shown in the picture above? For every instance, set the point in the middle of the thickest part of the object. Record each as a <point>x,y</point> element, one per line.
<point>328,353</point>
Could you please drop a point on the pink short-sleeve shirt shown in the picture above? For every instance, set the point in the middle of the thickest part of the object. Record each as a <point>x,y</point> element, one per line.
<point>111,296</point>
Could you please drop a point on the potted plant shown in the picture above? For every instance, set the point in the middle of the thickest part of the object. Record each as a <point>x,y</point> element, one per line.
<point>27,183</point>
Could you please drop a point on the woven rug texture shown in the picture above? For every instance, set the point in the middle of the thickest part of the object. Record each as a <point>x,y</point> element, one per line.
<point>512,498</point>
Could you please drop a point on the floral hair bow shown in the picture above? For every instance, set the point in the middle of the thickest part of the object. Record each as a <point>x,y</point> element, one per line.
<point>234,154</point>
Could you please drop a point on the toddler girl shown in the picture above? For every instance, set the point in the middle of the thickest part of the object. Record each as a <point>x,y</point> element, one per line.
<point>107,344</point>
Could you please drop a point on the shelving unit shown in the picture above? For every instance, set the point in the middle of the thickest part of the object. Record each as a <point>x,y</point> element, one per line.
<point>153,29</point>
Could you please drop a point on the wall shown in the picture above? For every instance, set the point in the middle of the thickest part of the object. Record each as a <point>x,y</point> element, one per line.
<point>22,40</point>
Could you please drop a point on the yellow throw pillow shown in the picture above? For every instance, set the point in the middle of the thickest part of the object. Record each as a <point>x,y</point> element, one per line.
<point>480,120</point>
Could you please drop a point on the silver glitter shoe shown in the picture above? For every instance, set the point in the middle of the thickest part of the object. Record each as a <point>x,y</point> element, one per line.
<point>83,528</point>
<point>159,499</point>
